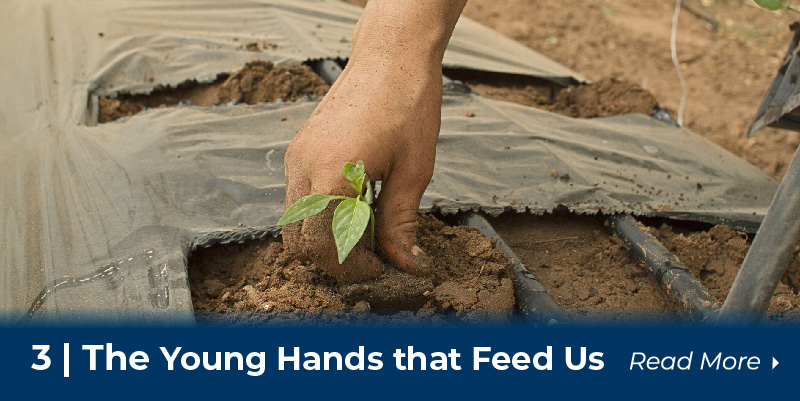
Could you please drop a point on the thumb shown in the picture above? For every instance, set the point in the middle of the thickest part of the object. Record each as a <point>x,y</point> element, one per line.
<point>397,206</point>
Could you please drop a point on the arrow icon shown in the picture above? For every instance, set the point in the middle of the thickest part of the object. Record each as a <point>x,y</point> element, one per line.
<point>774,363</point>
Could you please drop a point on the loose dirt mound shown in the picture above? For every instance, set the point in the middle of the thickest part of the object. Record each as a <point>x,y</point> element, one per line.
<point>262,81</point>
<point>258,81</point>
<point>607,97</point>
<point>257,282</point>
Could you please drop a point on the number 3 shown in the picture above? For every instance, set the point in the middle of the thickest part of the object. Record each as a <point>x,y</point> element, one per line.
<point>42,356</point>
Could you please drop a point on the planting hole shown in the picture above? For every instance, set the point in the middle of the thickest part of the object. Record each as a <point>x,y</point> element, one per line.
<point>259,282</point>
<point>257,82</point>
<point>606,97</point>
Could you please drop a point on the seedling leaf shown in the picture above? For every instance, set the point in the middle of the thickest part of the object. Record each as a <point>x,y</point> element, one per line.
<point>306,207</point>
<point>355,174</point>
<point>772,5</point>
<point>350,219</point>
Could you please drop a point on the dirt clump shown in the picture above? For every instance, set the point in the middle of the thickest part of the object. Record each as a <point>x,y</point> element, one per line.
<point>259,283</point>
<point>257,82</point>
<point>262,81</point>
<point>607,97</point>
<point>591,275</point>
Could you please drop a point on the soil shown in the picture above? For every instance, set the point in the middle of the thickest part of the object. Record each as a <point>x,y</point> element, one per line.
<point>258,81</point>
<point>607,97</point>
<point>587,271</point>
<point>714,256</point>
<point>591,275</point>
<point>728,65</point>
<point>260,283</point>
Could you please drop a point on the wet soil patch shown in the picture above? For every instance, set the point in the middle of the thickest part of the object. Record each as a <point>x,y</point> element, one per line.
<point>259,283</point>
<point>604,98</point>
<point>257,82</point>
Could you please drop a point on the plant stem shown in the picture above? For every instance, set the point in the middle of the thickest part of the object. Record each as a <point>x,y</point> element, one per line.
<point>371,227</point>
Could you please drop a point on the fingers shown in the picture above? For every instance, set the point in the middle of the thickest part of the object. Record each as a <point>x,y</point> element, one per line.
<point>397,205</point>
<point>297,186</point>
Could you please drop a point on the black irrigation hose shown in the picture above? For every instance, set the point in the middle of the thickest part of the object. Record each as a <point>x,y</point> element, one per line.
<point>533,301</point>
<point>769,254</point>
<point>328,69</point>
<point>680,284</point>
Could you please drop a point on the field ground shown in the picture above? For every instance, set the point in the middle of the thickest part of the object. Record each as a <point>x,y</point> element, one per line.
<point>728,56</point>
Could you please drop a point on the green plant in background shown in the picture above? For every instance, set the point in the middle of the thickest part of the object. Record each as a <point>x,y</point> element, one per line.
<point>775,5</point>
<point>350,218</point>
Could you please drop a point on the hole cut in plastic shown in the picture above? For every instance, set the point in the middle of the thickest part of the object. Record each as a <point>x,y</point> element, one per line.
<point>256,82</point>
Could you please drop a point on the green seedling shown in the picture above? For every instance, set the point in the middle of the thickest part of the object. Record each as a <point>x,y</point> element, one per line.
<point>775,5</point>
<point>350,218</point>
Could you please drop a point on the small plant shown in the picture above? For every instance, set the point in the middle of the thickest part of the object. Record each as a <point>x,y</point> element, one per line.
<point>350,218</point>
<point>775,5</point>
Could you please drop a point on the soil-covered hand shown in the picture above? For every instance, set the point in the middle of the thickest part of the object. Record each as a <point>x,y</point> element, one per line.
<point>385,109</point>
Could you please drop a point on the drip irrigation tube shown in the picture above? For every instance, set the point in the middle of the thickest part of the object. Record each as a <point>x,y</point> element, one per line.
<point>769,256</point>
<point>681,285</point>
<point>454,87</point>
<point>533,301</point>
<point>328,69</point>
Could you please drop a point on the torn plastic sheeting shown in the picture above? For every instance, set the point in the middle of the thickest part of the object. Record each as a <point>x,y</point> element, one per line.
<point>89,202</point>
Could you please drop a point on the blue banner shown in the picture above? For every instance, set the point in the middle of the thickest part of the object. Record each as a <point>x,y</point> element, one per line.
<point>400,362</point>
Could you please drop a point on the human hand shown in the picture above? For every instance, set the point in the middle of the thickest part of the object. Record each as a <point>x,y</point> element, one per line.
<point>384,109</point>
<point>391,122</point>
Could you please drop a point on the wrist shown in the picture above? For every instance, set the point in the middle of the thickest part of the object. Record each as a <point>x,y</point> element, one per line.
<point>411,33</point>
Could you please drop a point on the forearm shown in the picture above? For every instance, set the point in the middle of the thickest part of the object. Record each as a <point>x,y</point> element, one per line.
<point>406,32</point>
